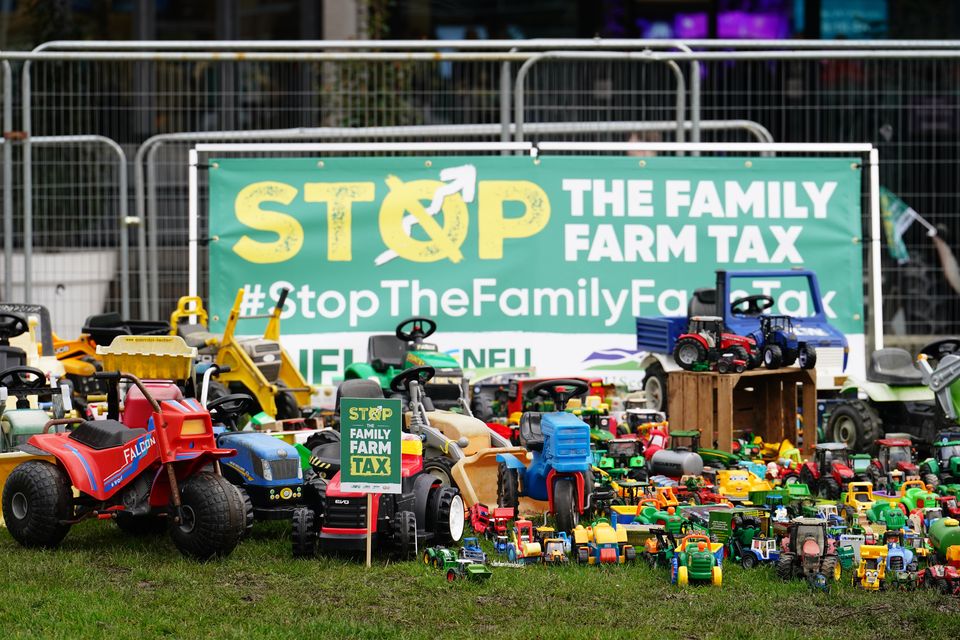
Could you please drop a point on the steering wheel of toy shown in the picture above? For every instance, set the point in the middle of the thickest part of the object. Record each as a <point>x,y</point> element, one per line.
<point>940,348</point>
<point>560,391</point>
<point>755,305</point>
<point>421,328</point>
<point>11,326</point>
<point>226,409</point>
<point>401,381</point>
<point>24,378</point>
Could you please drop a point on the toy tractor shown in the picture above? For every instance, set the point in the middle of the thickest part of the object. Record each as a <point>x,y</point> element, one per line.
<point>871,573</point>
<point>697,559</point>
<point>746,544</point>
<point>808,552</point>
<point>555,551</point>
<point>658,547</point>
<point>900,567</point>
<point>560,467</point>
<point>706,341</point>
<point>390,354</point>
<point>596,413</point>
<point>778,344</point>
<point>523,547</point>
<point>943,467</point>
<point>638,420</point>
<point>623,458</point>
<point>893,454</point>
<point>455,567</point>
<point>460,450</point>
<point>471,551</point>
<point>828,471</point>
<point>601,543</point>
<point>143,478</point>
<point>19,424</point>
<point>259,367</point>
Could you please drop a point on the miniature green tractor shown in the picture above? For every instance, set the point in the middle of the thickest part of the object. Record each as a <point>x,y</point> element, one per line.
<point>390,354</point>
<point>453,566</point>
<point>943,467</point>
<point>697,559</point>
<point>623,458</point>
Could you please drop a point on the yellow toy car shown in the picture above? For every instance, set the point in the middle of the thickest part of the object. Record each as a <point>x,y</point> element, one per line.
<point>600,543</point>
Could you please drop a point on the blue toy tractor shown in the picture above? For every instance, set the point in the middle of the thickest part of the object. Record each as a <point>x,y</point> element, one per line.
<point>779,346</point>
<point>560,469</point>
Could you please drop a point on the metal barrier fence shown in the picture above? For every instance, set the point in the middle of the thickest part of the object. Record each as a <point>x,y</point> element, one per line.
<point>154,100</point>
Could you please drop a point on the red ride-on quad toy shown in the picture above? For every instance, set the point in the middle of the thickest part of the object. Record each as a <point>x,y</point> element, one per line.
<point>143,477</point>
<point>828,471</point>
<point>706,341</point>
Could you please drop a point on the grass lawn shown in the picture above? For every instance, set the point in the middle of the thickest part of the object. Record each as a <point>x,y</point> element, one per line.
<point>103,584</point>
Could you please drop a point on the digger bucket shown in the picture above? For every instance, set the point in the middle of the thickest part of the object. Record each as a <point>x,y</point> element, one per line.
<point>9,461</point>
<point>476,476</point>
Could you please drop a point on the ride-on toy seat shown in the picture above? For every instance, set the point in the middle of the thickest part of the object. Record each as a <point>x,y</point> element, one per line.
<point>386,351</point>
<point>196,335</point>
<point>11,326</point>
<point>894,367</point>
<point>531,435</point>
<point>358,389</point>
<point>104,434</point>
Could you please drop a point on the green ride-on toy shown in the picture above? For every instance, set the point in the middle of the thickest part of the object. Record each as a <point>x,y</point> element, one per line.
<point>390,354</point>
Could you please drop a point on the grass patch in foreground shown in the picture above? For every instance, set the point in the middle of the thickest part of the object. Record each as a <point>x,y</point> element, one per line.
<point>103,582</point>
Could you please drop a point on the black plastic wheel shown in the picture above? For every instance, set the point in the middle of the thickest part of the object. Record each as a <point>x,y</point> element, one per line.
<point>213,518</point>
<point>36,500</point>
<point>287,407</point>
<point>772,356</point>
<point>655,387</point>
<point>441,468</point>
<point>303,533</point>
<point>855,424</point>
<point>748,561</point>
<point>629,555</point>
<point>688,352</point>
<point>447,518</point>
<point>407,535</point>
<point>829,488</point>
<point>508,487</point>
<point>931,479</point>
<point>248,516</point>
<point>565,504</point>
<point>145,525</point>
<point>807,357</point>
<point>785,566</point>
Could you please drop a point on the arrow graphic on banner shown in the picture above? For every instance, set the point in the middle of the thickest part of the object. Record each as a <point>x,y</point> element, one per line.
<point>462,180</point>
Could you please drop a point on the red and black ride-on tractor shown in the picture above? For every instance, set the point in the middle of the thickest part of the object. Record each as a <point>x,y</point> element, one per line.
<point>706,341</point>
<point>829,471</point>
<point>166,474</point>
<point>424,513</point>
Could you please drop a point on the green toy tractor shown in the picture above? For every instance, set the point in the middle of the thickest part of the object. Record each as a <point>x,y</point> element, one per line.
<point>943,467</point>
<point>18,424</point>
<point>623,458</point>
<point>389,354</point>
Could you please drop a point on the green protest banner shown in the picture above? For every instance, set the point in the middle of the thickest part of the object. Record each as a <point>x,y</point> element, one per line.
<point>370,445</point>
<point>523,261</point>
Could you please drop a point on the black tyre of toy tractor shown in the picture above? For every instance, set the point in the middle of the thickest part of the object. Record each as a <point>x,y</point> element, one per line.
<point>508,487</point>
<point>931,479</point>
<point>855,424</point>
<point>36,500</point>
<point>565,504</point>
<point>213,518</point>
<point>441,468</point>
<point>829,488</point>
<point>287,407</point>
<point>785,566</point>
<point>655,387</point>
<point>407,535</point>
<point>688,352</point>
<point>303,533</point>
<point>807,357</point>
<point>447,517</point>
<point>772,357</point>
<point>248,516</point>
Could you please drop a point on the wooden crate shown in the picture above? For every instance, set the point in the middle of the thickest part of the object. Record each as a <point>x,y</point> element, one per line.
<point>762,401</point>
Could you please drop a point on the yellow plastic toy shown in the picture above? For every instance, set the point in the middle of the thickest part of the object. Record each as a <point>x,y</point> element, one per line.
<point>258,366</point>
<point>736,484</point>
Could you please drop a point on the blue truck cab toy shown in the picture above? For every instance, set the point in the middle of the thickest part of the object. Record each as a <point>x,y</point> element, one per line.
<point>560,459</point>
<point>742,316</point>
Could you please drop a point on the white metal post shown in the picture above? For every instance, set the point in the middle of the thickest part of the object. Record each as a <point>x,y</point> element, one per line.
<point>193,206</point>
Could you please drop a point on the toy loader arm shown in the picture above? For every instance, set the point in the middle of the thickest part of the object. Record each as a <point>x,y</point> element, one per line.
<point>941,379</point>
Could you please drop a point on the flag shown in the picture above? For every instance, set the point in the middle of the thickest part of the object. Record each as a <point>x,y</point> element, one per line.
<point>897,217</point>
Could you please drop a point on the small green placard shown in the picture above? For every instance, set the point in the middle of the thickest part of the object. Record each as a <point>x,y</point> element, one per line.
<point>370,445</point>
<point>720,524</point>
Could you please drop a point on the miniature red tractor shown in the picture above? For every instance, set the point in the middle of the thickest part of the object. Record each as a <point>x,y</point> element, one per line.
<point>828,471</point>
<point>706,341</point>
<point>893,454</point>
<point>808,552</point>
<point>144,478</point>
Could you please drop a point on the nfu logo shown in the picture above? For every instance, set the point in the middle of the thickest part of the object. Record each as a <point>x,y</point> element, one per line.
<point>138,449</point>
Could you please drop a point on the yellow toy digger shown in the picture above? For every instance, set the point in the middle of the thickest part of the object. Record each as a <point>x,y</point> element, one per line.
<point>257,366</point>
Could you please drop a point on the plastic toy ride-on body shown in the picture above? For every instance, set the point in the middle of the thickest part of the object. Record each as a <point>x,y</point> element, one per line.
<point>560,469</point>
<point>19,424</point>
<point>697,559</point>
<point>600,543</point>
<point>390,354</point>
<point>828,471</point>
<point>257,366</point>
<point>142,477</point>
<point>807,551</point>
<point>778,344</point>
<point>706,341</point>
